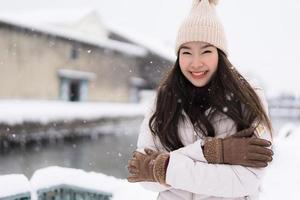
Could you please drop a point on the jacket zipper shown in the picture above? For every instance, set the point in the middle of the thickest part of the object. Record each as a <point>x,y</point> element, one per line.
<point>194,140</point>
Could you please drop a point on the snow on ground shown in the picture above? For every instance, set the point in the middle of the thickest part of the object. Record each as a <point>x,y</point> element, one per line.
<point>282,179</point>
<point>18,111</point>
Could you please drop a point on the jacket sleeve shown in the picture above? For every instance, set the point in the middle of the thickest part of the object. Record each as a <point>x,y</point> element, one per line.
<point>147,140</point>
<point>229,181</point>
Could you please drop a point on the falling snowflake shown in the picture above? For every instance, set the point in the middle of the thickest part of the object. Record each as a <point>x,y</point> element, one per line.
<point>225,109</point>
<point>51,44</point>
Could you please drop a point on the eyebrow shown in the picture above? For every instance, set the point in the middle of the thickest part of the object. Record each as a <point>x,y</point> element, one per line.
<point>205,46</point>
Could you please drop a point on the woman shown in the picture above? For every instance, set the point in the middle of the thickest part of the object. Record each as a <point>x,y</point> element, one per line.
<point>208,134</point>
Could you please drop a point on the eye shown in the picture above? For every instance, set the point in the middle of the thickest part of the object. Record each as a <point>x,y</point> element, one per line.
<point>207,51</point>
<point>187,53</point>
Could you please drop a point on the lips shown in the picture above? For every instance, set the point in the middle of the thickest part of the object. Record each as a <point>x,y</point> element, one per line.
<point>199,74</point>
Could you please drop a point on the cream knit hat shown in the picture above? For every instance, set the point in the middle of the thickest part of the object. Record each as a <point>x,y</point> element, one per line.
<point>202,25</point>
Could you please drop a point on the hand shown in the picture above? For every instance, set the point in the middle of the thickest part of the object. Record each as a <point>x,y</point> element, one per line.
<point>250,152</point>
<point>141,166</point>
<point>150,167</point>
<point>239,149</point>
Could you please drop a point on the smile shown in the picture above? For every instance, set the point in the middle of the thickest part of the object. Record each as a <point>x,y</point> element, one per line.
<point>199,74</point>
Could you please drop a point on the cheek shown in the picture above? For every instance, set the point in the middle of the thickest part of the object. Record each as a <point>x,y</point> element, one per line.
<point>212,62</point>
<point>183,63</point>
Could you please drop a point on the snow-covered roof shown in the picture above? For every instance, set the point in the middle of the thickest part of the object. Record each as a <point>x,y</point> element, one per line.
<point>91,29</point>
<point>154,46</point>
<point>13,184</point>
<point>77,35</point>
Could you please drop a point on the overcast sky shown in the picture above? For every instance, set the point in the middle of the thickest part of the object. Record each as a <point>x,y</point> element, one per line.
<point>263,35</point>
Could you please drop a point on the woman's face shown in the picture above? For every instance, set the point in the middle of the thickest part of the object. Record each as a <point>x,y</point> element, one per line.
<point>198,62</point>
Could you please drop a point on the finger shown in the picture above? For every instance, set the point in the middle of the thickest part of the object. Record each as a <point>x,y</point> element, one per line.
<point>130,165</point>
<point>260,142</point>
<point>259,157</point>
<point>133,158</point>
<point>134,163</point>
<point>133,154</point>
<point>133,170</point>
<point>154,155</point>
<point>149,151</point>
<point>256,164</point>
<point>133,179</point>
<point>138,154</point>
<point>261,150</point>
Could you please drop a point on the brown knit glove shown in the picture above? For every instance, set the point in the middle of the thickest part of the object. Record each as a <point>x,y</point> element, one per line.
<point>238,149</point>
<point>151,167</point>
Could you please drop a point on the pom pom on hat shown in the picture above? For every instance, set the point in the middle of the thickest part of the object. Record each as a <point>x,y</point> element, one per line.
<point>214,2</point>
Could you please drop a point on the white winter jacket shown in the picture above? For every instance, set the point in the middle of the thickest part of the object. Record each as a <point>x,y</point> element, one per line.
<point>189,174</point>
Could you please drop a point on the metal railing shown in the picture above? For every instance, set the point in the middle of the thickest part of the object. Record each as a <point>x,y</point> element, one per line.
<point>68,192</point>
<point>22,196</point>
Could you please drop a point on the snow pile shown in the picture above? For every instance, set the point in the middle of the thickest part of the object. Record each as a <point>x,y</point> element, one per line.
<point>120,189</point>
<point>17,111</point>
<point>283,177</point>
<point>13,184</point>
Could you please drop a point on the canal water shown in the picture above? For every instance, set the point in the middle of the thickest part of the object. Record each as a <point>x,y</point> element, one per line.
<point>106,154</point>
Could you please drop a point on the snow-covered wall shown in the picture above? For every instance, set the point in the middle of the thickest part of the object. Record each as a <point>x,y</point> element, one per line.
<point>13,184</point>
<point>17,111</point>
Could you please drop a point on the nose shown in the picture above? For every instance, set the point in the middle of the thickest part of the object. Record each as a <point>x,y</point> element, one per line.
<point>197,62</point>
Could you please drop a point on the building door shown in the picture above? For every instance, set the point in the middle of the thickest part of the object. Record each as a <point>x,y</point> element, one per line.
<point>74,90</point>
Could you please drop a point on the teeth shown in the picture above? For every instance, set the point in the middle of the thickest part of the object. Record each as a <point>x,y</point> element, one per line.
<point>198,73</point>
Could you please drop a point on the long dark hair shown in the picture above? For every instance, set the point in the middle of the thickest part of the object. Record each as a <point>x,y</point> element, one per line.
<point>228,92</point>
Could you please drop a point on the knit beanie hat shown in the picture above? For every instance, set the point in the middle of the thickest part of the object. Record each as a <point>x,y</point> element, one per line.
<point>202,25</point>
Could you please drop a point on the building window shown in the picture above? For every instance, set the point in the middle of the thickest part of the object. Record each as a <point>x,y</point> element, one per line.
<point>75,51</point>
